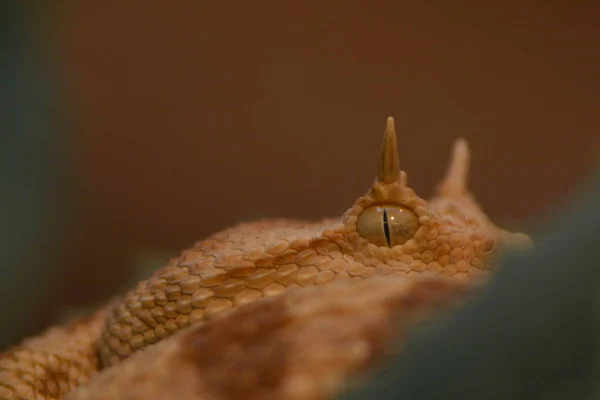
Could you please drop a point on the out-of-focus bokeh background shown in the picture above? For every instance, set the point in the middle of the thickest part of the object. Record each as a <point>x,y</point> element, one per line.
<point>130,130</point>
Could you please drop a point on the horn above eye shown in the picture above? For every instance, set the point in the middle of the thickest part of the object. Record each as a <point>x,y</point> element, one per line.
<point>387,225</point>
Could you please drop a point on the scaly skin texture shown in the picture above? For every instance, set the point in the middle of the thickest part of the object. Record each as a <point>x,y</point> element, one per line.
<point>54,363</point>
<point>306,344</point>
<point>449,236</point>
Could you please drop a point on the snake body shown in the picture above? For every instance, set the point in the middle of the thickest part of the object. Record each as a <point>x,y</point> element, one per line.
<point>278,289</point>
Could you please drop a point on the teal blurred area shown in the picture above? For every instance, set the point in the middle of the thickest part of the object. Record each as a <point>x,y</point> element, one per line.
<point>34,170</point>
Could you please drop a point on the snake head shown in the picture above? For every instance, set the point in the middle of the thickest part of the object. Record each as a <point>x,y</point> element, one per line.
<point>388,231</point>
<point>395,230</point>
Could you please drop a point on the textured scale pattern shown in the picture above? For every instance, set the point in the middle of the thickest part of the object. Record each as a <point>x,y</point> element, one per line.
<point>308,344</point>
<point>52,364</point>
<point>251,261</point>
<point>236,283</point>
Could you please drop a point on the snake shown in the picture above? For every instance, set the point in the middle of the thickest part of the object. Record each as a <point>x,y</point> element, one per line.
<point>277,308</point>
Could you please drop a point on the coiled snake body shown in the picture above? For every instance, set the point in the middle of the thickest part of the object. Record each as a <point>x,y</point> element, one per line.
<point>275,309</point>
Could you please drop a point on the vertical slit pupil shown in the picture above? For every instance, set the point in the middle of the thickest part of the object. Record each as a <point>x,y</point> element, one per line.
<point>386,228</point>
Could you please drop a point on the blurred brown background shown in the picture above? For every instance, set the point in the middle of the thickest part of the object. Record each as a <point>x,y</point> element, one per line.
<point>192,116</point>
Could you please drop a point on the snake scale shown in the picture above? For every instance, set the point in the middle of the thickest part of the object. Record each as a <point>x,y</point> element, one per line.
<point>277,309</point>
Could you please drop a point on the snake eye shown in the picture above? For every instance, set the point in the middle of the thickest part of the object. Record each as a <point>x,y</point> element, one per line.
<point>387,225</point>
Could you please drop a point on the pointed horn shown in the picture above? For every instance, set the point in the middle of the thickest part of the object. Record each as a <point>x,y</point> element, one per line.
<point>389,170</point>
<point>455,182</point>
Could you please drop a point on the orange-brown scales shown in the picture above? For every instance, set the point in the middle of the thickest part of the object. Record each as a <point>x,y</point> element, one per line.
<point>307,344</point>
<point>388,231</point>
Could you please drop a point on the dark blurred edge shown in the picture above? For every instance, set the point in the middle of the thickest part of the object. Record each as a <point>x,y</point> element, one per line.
<point>534,333</point>
<point>35,185</point>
